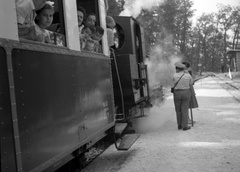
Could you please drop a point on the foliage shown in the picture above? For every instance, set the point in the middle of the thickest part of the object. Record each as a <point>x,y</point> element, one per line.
<point>115,7</point>
<point>169,24</point>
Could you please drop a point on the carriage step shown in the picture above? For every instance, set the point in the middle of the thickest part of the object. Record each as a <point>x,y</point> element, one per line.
<point>119,127</point>
<point>127,141</point>
<point>119,117</point>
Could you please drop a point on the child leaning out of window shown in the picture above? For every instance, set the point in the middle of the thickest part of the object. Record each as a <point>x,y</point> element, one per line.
<point>97,36</point>
<point>44,19</point>
<point>86,34</point>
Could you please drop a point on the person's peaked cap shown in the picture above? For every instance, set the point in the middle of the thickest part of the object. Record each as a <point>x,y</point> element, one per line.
<point>179,65</point>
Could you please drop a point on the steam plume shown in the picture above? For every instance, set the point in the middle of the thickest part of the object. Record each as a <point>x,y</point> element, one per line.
<point>134,7</point>
<point>161,67</point>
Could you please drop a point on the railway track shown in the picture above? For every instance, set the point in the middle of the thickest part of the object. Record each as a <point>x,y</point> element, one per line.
<point>231,85</point>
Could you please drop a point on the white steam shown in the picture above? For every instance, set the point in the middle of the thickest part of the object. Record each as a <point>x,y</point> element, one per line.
<point>158,116</point>
<point>134,7</point>
<point>161,67</point>
<point>160,70</point>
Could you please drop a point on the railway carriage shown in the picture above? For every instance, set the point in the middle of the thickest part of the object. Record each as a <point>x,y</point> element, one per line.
<point>57,101</point>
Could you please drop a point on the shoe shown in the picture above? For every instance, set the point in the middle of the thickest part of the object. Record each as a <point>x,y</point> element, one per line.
<point>186,128</point>
<point>179,127</point>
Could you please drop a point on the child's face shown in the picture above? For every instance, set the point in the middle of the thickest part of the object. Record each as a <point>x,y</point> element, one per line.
<point>45,18</point>
<point>38,4</point>
<point>80,17</point>
<point>97,36</point>
<point>91,20</point>
<point>89,46</point>
<point>87,33</point>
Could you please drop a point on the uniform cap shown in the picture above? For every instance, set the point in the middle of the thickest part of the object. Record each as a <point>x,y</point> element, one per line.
<point>187,64</point>
<point>179,65</point>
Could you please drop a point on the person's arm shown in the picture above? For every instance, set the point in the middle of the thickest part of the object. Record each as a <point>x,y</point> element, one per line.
<point>191,80</point>
<point>25,32</point>
<point>48,39</point>
<point>96,46</point>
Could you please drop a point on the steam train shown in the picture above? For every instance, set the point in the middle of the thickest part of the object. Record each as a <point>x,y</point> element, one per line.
<point>56,102</point>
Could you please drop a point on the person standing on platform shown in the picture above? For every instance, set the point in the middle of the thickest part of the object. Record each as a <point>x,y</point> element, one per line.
<point>193,103</point>
<point>181,95</point>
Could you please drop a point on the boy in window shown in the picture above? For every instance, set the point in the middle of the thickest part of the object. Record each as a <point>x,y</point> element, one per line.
<point>97,36</point>
<point>86,34</point>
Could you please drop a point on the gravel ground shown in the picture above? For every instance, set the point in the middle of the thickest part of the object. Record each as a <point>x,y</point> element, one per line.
<point>233,86</point>
<point>212,145</point>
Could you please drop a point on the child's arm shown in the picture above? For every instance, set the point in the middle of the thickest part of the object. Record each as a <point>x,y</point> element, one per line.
<point>96,46</point>
<point>48,39</point>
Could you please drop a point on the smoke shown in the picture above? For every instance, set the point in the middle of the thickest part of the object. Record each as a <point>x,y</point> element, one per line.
<point>134,7</point>
<point>158,116</point>
<point>161,67</point>
<point>160,70</point>
<point>160,73</point>
<point>161,61</point>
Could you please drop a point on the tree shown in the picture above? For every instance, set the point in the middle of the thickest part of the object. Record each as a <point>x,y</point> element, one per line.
<point>115,7</point>
<point>226,21</point>
<point>183,23</point>
<point>236,27</point>
<point>169,25</point>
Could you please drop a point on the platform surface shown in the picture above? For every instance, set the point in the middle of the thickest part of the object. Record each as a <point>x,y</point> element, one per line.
<point>211,145</point>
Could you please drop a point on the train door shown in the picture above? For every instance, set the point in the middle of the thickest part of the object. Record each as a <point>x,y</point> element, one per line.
<point>141,55</point>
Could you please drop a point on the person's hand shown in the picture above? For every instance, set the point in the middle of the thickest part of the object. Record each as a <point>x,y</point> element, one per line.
<point>36,36</point>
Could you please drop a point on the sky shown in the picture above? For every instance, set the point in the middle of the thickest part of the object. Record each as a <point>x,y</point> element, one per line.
<point>133,8</point>
<point>208,6</point>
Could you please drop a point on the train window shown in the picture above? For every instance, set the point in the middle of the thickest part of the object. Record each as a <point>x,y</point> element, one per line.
<point>57,29</point>
<point>91,7</point>
<point>118,36</point>
<point>91,20</point>
<point>32,23</point>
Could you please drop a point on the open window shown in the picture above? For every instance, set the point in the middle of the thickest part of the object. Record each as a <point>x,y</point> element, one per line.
<point>57,29</point>
<point>119,37</point>
<point>34,26</point>
<point>91,7</point>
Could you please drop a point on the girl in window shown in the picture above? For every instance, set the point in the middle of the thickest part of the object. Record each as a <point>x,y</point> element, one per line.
<point>43,20</point>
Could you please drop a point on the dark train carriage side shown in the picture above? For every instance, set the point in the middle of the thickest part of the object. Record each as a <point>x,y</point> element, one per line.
<point>130,55</point>
<point>53,102</point>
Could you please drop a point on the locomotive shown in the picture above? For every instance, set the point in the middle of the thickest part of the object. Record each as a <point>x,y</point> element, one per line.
<point>56,102</point>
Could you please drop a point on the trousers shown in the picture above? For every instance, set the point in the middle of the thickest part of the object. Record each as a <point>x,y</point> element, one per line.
<point>181,102</point>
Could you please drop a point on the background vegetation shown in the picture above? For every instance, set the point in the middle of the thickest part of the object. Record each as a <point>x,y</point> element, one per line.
<point>203,43</point>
